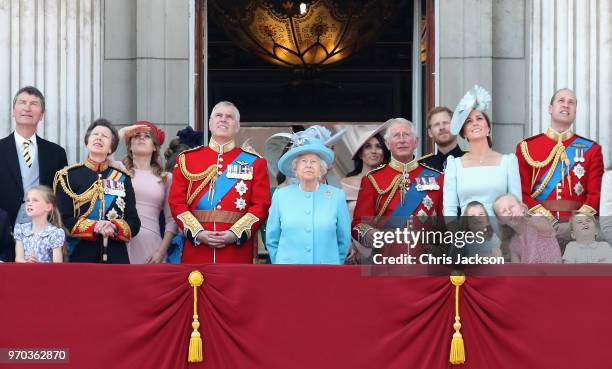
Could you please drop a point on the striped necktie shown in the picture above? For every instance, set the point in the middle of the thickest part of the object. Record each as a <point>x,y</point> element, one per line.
<point>26,152</point>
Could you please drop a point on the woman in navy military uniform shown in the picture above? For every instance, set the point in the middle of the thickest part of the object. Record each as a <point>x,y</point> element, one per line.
<point>97,201</point>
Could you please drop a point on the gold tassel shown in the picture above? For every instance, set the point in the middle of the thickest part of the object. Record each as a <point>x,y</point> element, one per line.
<point>457,351</point>
<point>195,342</point>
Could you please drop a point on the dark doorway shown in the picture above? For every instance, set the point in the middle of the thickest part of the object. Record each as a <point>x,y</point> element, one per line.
<point>372,86</point>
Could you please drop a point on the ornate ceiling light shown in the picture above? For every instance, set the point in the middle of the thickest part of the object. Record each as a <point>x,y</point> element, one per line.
<point>305,34</point>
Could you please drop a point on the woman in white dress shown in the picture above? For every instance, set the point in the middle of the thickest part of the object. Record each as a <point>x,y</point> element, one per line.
<point>482,174</point>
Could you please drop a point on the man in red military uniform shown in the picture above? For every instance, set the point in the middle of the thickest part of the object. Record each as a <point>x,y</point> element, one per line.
<point>560,170</point>
<point>403,193</point>
<point>220,194</point>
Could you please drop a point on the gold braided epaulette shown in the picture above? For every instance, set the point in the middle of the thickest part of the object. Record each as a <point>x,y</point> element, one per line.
<point>425,156</point>
<point>540,164</point>
<point>376,169</point>
<point>193,176</point>
<point>88,196</point>
<point>62,173</point>
<point>428,167</point>
<point>249,149</point>
<point>379,190</point>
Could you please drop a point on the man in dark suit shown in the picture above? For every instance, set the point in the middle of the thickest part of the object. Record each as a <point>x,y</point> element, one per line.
<point>438,128</point>
<point>26,160</point>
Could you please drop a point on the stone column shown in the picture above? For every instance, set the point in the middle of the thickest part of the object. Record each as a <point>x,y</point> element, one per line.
<point>571,46</point>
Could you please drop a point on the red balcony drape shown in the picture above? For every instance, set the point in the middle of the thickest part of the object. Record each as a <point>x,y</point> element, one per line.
<point>293,317</point>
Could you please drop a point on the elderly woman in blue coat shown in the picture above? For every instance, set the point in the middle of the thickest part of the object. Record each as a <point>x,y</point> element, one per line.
<point>308,222</point>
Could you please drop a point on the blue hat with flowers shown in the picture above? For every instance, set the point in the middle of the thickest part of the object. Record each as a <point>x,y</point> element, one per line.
<point>311,141</point>
<point>477,98</point>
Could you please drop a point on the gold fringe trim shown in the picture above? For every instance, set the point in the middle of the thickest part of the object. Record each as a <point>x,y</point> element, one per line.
<point>195,341</point>
<point>457,351</point>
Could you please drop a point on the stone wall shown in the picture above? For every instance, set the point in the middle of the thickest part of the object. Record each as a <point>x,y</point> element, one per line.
<point>146,63</point>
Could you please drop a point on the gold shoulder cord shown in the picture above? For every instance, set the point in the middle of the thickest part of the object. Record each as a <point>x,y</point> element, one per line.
<point>88,196</point>
<point>556,154</point>
<point>207,176</point>
<point>393,186</point>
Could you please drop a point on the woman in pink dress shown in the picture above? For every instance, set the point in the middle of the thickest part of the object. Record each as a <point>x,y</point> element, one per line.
<point>151,185</point>
<point>369,153</point>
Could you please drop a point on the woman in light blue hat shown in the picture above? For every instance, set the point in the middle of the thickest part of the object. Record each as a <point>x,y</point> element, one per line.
<point>308,221</point>
<point>482,174</point>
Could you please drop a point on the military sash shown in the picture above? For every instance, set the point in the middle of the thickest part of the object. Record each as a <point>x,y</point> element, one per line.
<point>223,184</point>
<point>557,175</point>
<point>413,198</point>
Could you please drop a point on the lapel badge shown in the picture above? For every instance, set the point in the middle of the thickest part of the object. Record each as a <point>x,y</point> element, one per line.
<point>328,193</point>
<point>241,188</point>
<point>427,202</point>
<point>579,170</point>
<point>578,189</point>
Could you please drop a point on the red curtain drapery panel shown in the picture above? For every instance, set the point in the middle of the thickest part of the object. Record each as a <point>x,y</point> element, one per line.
<point>272,316</point>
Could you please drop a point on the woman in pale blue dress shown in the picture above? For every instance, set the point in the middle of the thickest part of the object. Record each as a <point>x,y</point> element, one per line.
<point>308,221</point>
<point>482,174</point>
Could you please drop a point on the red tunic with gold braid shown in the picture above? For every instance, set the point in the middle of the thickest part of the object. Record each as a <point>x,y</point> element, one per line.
<point>381,193</point>
<point>580,184</point>
<point>241,209</point>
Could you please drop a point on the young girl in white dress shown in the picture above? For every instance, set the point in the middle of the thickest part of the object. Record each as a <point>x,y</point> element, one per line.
<point>40,241</point>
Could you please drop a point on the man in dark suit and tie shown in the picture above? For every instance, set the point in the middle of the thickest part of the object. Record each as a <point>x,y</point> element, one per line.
<point>26,160</point>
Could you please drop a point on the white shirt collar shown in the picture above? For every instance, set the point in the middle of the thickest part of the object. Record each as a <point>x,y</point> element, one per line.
<point>19,139</point>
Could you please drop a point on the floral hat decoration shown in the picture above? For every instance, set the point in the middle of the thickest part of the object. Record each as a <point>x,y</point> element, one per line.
<point>477,98</point>
<point>313,140</point>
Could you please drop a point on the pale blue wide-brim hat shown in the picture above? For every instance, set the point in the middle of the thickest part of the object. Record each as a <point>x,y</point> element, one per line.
<point>305,146</point>
<point>477,98</point>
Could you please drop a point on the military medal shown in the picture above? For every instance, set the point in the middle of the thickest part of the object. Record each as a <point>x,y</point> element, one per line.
<point>112,214</point>
<point>433,183</point>
<point>422,215</point>
<point>578,189</point>
<point>120,203</point>
<point>427,202</point>
<point>241,170</point>
<point>114,188</point>
<point>427,184</point>
<point>420,184</point>
<point>240,203</point>
<point>579,170</point>
<point>241,188</point>
<point>404,185</point>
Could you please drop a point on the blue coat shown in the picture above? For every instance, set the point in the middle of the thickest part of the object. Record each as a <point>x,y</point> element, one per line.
<point>308,227</point>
